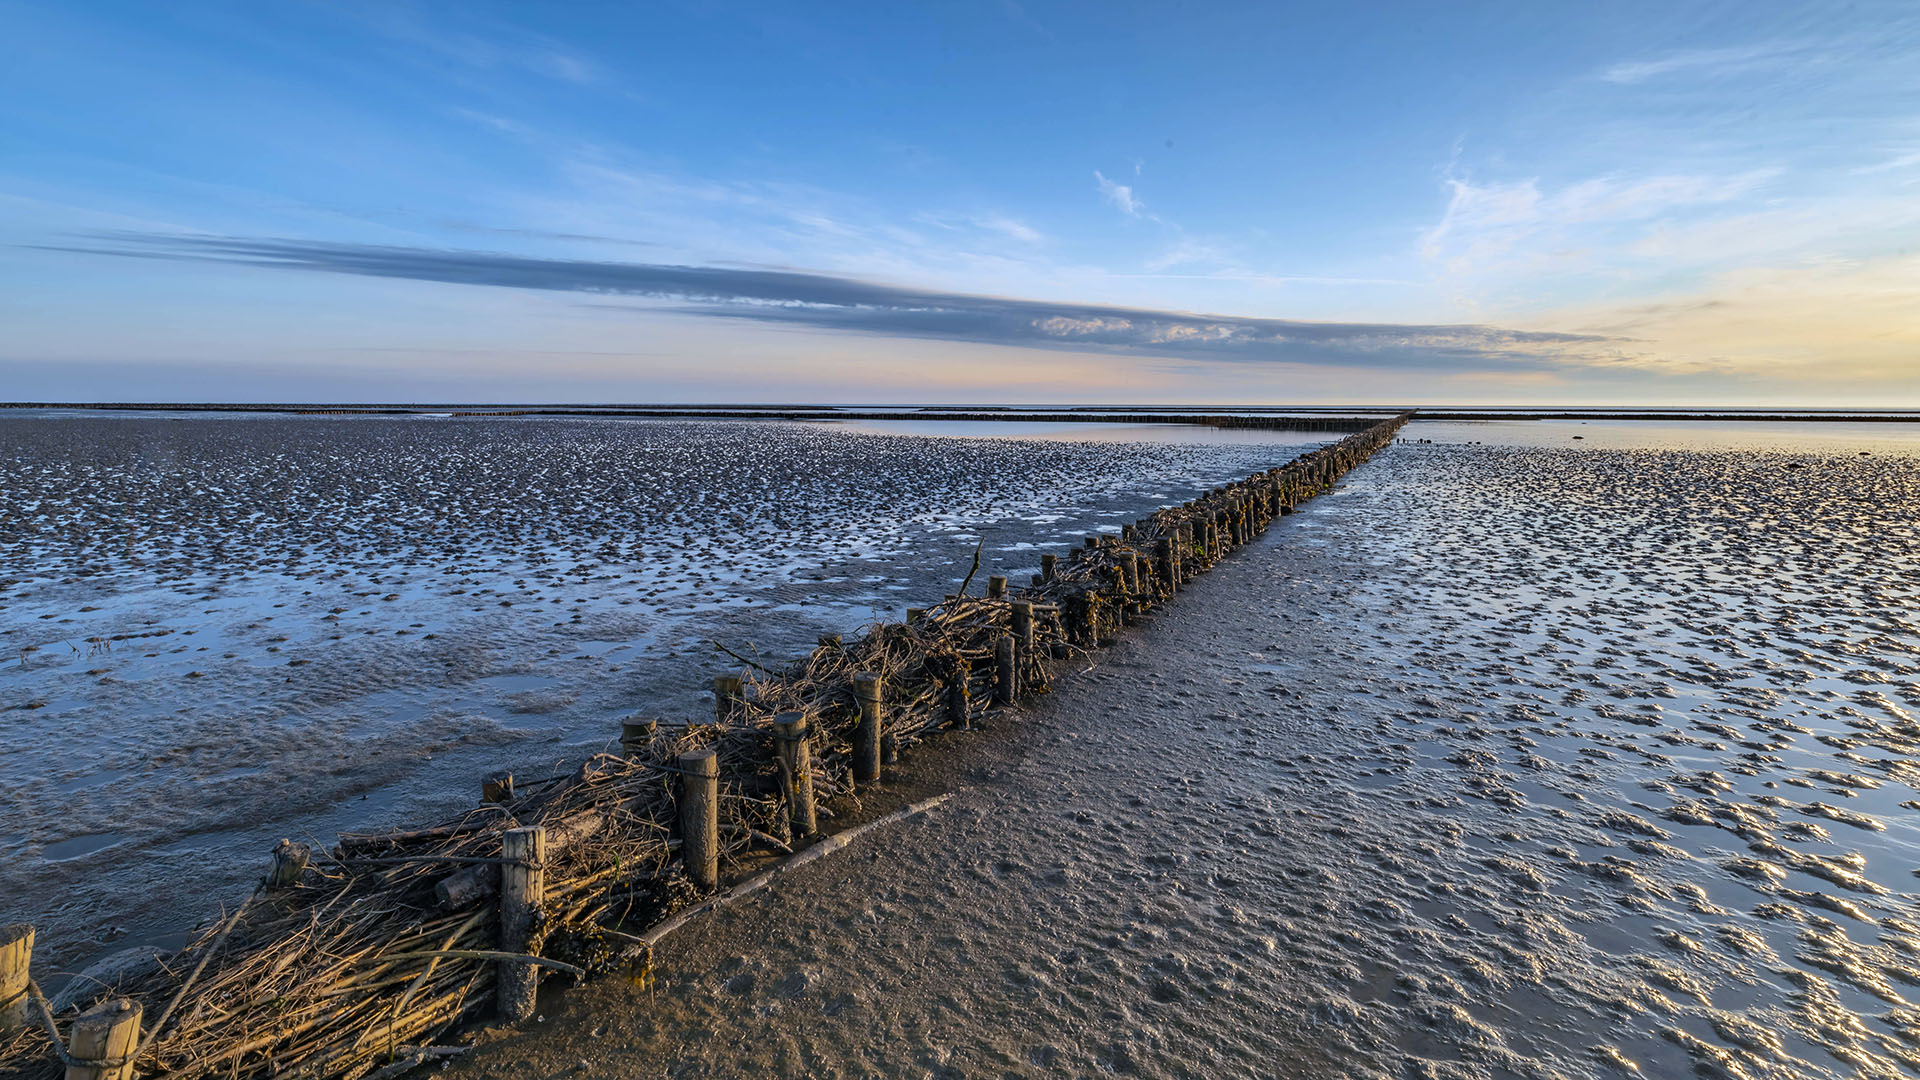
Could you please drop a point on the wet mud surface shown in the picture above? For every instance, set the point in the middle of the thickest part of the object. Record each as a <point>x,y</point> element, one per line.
<point>220,630</point>
<point>1499,761</point>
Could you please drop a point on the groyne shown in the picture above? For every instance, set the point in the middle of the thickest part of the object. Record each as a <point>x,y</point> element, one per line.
<point>350,962</point>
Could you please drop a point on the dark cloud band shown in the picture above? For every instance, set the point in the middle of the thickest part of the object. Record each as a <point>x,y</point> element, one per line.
<point>846,304</point>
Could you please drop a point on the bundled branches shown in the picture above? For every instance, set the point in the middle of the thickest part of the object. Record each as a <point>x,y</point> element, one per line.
<point>356,959</point>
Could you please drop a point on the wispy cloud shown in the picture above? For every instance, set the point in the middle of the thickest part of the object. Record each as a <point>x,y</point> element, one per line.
<point>1488,223</point>
<point>1703,62</point>
<point>1000,225</point>
<point>1896,163</point>
<point>500,46</point>
<point>846,304</point>
<point>1120,195</point>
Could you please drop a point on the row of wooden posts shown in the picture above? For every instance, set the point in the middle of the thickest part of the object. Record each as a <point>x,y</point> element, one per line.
<point>103,1042</point>
<point>1243,510</point>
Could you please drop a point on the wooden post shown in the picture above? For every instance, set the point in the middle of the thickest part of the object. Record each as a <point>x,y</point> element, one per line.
<point>996,587</point>
<point>914,615</point>
<point>700,817</point>
<point>1022,638</point>
<point>796,769</point>
<point>1163,553</point>
<point>16,955</point>
<point>522,891</point>
<point>498,787</point>
<point>106,1033</point>
<point>1047,564</point>
<point>1116,575</point>
<point>289,862</point>
<point>867,688</point>
<point>1126,534</point>
<point>957,697</point>
<point>636,734</point>
<point>726,691</point>
<point>1003,670</point>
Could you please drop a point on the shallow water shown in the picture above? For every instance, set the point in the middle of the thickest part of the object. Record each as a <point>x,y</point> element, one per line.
<point>216,629</point>
<point>1501,760</point>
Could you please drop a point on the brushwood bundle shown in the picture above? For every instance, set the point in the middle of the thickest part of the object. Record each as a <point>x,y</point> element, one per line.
<point>351,962</point>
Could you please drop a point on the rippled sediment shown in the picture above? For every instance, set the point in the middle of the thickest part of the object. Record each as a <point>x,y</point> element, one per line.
<point>1503,760</point>
<point>223,629</point>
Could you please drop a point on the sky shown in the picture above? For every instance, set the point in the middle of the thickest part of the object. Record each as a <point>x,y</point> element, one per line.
<point>1500,202</point>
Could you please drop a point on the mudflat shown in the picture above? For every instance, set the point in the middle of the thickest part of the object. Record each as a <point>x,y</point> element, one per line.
<point>221,629</point>
<point>1502,760</point>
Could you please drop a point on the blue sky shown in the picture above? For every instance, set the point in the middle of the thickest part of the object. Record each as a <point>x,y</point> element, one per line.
<point>1619,203</point>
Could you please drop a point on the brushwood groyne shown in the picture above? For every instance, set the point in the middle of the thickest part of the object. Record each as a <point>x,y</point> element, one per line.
<point>350,962</point>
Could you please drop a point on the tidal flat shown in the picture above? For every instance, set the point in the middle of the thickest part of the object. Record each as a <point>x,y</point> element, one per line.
<point>218,630</point>
<point>1516,755</point>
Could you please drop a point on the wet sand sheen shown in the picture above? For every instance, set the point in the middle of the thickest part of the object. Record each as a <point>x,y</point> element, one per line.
<point>1501,761</point>
<point>220,630</point>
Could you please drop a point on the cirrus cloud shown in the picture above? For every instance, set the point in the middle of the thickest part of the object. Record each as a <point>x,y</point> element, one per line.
<point>848,304</point>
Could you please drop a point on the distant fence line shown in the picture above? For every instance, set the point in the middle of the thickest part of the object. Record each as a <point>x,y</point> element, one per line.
<point>348,963</point>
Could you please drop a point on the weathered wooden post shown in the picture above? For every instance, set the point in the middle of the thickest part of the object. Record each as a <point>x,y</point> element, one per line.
<point>16,956</point>
<point>102,1041</point>
<point>700,816</point>
<point>523,876</point>
<point>996,587</point>
<point>915,614</point>
<point>1022,637</point>
<point>1047,564</point>
<point>958,697</point>
<point>498,786</point>
<point>726,691</point>
<point>867,688</point>
<point>1003,670</point>
<point>796,770</point>
<point>1163,554</point>
<point>289,862</point>
<point>636,734</point>
<point>1126,534</point>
